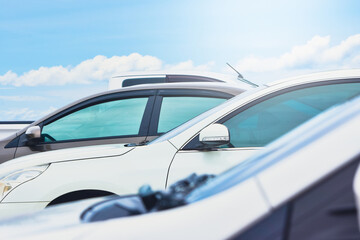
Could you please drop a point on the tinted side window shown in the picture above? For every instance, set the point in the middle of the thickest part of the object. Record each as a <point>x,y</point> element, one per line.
<point>177,110</point>
<point>114,118</point>
<point>268,120</point>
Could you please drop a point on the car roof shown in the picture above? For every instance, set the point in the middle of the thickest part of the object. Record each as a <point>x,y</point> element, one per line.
<point>319,76</point>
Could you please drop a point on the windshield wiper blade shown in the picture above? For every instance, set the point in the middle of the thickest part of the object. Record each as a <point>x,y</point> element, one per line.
<point>175,195</point>
<point>136,144</point>
<point>146,201</point>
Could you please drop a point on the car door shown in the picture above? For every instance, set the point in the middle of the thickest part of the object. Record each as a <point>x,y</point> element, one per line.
<point>173,107</point>
<point>258,123</point>
<point>115,118</point>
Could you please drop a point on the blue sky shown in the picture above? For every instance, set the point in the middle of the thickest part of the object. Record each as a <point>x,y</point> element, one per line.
<point>54,52</point>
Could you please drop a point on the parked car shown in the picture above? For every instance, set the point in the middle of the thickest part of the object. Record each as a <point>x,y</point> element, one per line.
<point>299,187</point>
<point>209,143</point>
<point>127,115</point>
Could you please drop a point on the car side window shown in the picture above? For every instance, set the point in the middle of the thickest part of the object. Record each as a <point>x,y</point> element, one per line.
<point>114,118</point>
<point>264,122</point>
<point>177,110</point>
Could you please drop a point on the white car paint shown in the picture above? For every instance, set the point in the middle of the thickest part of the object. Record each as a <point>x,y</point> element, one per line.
<point>287,167</point>
<point>122,170</point>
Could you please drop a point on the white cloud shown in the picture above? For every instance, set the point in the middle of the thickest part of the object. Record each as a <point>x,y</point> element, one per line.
<point>25,114</point>
<point>22,98</point>
<point>98,68</point>
<point>315,54</point>
<point>189,65</point>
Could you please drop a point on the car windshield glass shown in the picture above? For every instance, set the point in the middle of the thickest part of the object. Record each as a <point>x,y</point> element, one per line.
<point>202,116</point>
<point>277,150</point>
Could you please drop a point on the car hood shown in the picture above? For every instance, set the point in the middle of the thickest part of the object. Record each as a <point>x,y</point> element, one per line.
<point>63,155</point>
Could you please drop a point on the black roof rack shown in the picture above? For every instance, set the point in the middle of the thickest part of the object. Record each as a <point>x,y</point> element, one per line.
<point>168,79</point>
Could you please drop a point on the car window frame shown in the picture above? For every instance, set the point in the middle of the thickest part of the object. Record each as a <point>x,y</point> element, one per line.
<point>193,143</point>
<point>154,122</point>
<point>145,121</point>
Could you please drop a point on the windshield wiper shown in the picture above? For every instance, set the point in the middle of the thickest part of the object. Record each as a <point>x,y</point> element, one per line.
<point>146,201</point>
<point>136,144</point>
<point>175,195</point>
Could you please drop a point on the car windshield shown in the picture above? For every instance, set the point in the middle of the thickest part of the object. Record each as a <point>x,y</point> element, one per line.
<point>202,116</point>
<point>278,150</point>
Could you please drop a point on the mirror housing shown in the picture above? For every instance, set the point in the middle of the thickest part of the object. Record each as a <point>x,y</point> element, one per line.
<point>214,135</point>
<point>33,132</point>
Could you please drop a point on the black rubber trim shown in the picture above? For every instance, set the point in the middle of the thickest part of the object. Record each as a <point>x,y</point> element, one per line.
<point>189,78</point>
<point>145,122</point>
<point>154,122</point>
<point>13,143</point>
<point>139,81</point>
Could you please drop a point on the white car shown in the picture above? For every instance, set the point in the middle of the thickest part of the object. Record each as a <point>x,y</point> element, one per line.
<point>210,143</point>
<point>299,187</point>
<point>132,114</point>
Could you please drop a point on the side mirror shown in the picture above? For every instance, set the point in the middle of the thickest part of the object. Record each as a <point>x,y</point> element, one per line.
<point>33,132</point>
<point>214,135</point>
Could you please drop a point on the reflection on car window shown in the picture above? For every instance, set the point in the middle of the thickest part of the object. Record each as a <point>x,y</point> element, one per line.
<point>268,120</point>
<point>115,118</point>
<point>186,109</point>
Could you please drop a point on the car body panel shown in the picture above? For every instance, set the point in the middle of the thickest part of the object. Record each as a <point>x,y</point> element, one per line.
<point>111,167</point>
<point>209,162</point>
<point>64,155</point>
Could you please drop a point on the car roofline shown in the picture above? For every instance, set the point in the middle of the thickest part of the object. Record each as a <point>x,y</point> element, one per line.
<point>319,76</point>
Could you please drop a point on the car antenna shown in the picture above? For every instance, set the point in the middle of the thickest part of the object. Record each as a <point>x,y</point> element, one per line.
<point>241,78</point>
